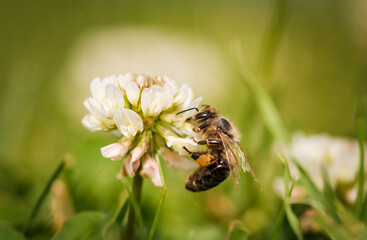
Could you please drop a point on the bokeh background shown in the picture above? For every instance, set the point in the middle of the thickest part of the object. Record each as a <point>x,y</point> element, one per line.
<point>311,56</point>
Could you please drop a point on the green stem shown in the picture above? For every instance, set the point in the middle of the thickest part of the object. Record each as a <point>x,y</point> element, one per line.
<point>43,196</point>
<point>136,195</point>
<point>159,209</point>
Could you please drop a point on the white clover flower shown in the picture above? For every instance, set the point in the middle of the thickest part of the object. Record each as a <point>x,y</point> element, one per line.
<point>143,110</point>
<point>339,156</point>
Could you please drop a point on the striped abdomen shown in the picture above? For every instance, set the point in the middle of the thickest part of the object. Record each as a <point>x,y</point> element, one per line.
<point>205,178</point>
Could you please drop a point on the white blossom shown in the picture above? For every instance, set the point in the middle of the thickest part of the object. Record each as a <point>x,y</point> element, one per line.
<point>134,106</point>
<point>339,156</point>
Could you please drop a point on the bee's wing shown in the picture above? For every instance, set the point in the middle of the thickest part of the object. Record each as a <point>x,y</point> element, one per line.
<point>232,159</point>
<point>244,162</point>
<point>237,158</point>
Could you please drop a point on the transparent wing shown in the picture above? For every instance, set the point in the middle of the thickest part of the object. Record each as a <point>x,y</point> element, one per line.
<point>232,159</point>
<point>244,162</point>
<point>237,158</point>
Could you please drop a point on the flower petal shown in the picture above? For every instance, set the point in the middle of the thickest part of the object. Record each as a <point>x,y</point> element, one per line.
<point>141,81</point>
<point>150,170</point>
<point>133,93</point>
<point>167,97</point>
<point>172,84</point>
<point>115,94</point>
<point>93,107</point>
<point>128,122</point>
<point>138,152</point>
<point>178,144</point>
<point>121,121</point>
<point>123,79</point>
<point>176,161</point>
<point>92,123</point>
<point>184,96</point>
<point>97,89</point>
<point>129,167</point>
<point>134,119</point>
<point>109,80</point>
<point>152,100</point>
<point>116,151</point>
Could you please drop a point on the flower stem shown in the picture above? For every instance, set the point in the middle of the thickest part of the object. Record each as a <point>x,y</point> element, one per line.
<point>136,195</point>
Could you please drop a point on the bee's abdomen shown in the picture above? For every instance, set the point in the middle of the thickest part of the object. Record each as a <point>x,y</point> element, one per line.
<point>205,178</point>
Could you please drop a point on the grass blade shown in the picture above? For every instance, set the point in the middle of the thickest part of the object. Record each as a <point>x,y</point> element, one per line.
<point>292,218</point>
<point>159,209</point>
<point>358,207</point>
<point>313,192</point>
<point>329,196</point>
<point>117,218</point>
<point>273,35</point>
<point>268,110</point>
<point>122,213</point>
<point>43,195</point>
<point>278,224</point>
<point>330,228</point>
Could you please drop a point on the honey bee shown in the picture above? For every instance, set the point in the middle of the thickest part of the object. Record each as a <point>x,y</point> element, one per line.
<point>223,155</point>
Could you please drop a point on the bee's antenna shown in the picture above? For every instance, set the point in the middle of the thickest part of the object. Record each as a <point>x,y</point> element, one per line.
<point>188,110</point>
<point>205,105</point>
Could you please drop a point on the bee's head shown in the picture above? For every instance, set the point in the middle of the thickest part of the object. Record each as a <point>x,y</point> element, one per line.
<point>203,114</point>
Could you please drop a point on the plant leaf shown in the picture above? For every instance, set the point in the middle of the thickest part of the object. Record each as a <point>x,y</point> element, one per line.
<point>293,221</point>
<point>268,110</point>
<point>86,225</point>
<point>330,228</point>
<point>312,191</point>
<point>43,195</point>
<point>8,233</point>
<point>159,209</point>
<point>238,231</point>
<point>329,195</point>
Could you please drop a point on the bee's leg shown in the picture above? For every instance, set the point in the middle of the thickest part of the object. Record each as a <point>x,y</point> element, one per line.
<point>208,141</point>
<point>202,158</point>
<point>202,126</point>
<point>194,155</point>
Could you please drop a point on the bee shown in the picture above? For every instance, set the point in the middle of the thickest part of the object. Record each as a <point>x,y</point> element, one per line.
<point>223,155</point>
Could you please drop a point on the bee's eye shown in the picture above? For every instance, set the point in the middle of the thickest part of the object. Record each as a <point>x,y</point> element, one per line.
<point>225,124</point>
<point>203,114</point>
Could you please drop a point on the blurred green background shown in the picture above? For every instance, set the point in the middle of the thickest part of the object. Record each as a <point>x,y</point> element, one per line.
<point>311,56</point>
